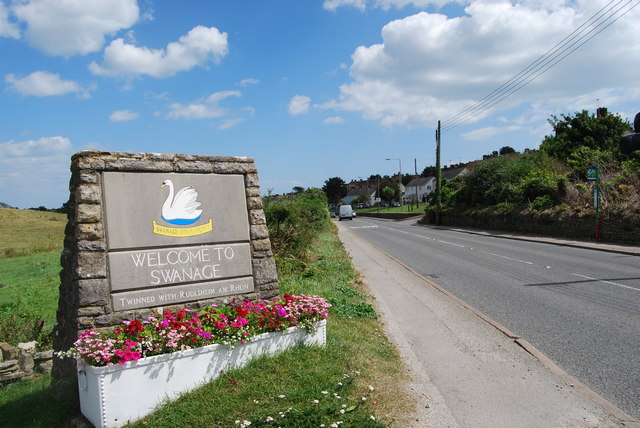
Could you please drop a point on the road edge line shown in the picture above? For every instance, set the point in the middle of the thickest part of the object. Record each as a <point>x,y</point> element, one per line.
<point>623,417</point>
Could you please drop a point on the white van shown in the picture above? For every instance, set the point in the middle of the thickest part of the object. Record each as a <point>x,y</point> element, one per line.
<point>345,212</point>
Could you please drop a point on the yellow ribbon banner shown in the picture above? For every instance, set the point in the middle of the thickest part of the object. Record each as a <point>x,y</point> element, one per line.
<point>182,232</point>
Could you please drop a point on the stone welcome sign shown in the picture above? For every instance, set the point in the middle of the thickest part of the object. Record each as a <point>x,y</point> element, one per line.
<point>148,232</point>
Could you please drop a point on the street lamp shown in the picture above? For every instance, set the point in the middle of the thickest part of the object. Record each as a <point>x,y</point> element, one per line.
<point>399,176</point>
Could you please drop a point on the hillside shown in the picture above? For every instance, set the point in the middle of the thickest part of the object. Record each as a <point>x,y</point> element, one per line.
<point>24,232</point>
<point>3,205</point>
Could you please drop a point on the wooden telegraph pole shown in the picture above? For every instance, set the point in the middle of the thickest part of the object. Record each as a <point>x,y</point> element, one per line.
<point>438,177</point>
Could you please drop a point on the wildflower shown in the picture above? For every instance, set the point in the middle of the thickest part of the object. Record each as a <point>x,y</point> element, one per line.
<point>269,419</point>
<point>324,392</point>
<point>371,388</point>
<point>316,401</point>
<point>282,396</point>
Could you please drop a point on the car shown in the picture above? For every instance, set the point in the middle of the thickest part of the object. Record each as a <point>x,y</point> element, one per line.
<point>353,214</point>
<point>345,212</point>
<point>396,204</point>
<point>332,214</point>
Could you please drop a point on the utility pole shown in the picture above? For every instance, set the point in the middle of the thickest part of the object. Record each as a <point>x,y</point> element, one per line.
<point>438,177</point>
<point>415,177</point>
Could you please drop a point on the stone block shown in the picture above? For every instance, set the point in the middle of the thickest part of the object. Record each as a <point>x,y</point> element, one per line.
<point>259,231</point>
<point>251,180</point>
<point>25,359</point>
<point>264,271</point>
<point>88,213</point>
<point>261,245</point>
<point>8,351</point>
<point>93,292</point>
<point>89,177</point>
<point>197,166</point>
<point>88,193</point>
<point>252,192</point>
<point>257,217</point>
<point>92,246</point>
<point>89,232</point>
<point>27,346</point>
<point>91,265</point>
<point>254,203</point>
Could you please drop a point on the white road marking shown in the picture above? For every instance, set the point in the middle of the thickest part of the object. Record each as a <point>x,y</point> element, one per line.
<point>451,243</point>
<point>606,282</point>
<point>508,258</point>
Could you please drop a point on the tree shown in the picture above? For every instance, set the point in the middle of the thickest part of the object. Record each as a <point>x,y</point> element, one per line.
<point>387,193</point>
<point>429,171</point>
<point>506,150</point>
<point>335,189</point>
<point>406,179</point>
<point>298,189</point>
<point>584,130</point>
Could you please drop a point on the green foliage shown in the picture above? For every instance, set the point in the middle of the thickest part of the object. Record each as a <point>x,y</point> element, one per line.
<point>345,309</point>
<point>29,297</point>
<point>294,221</point>
<point>584,130</point>
<point>583,158</point>
<point>388,193</point>
<point>516,179</point>
<point>335,189</point>
<point>541,202</point>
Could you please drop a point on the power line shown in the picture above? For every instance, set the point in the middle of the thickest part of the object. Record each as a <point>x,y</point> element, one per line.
<point>600,21</point>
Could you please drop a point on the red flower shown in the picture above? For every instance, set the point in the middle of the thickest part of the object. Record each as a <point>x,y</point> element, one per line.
<point>134,327</point>
<point>242,311</point>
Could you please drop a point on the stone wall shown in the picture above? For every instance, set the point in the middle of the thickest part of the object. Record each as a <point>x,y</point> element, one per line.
<point>22,361</point>
<point>614,230</point>
<point>85,300</point>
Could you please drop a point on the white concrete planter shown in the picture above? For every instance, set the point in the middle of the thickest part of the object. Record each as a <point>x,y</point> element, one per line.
<point>115,395</point>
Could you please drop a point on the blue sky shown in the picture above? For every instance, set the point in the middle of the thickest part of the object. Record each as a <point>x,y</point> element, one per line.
<point>310,89</point>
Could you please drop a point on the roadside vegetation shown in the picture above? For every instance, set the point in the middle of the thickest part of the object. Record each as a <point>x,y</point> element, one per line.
<point>553,179</point>
<point>353,381</point>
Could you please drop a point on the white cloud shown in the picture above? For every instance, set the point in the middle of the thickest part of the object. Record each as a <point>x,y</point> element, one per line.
<point>247,82</point>
<point>488,132</point>
<point>45,84</point>
<point>299,104</point>
<point>71,27</point>
<point>35,172</point>
<point>332,5</point>
<point>431,67</point>
<point>200,46</point>
<point>230,123</point>
<point>7,28</point>
<point>206,109</point>
<point>123,116</point>
<point>335,120</point>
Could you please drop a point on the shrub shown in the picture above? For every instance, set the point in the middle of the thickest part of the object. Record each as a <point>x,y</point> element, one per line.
<point>294,221</point>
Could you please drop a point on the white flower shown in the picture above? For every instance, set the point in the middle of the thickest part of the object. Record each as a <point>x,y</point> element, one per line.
<point>364,398</point>
<point>269,419</point>
<point>344,406</point>
<point>282,396</point>
<point>315,401</point>
<point>340,383</point>
<point>373,418</point>
<point>324,392</point>
<point>342,411</point>
<point>371,388</point>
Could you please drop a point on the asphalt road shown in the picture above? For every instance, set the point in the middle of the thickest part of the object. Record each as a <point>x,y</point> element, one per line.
<point>580,307</point>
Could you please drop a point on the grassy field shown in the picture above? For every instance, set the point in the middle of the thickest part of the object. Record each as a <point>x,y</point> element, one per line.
<point>354,380</point>
<point>30,246</point>
<point>407,208</point>
<point>25,232</point>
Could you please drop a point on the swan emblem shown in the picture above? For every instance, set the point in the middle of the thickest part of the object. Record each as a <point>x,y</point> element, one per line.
<point>183,207</point>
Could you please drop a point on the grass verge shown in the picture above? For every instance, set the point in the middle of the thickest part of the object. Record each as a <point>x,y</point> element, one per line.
<point>29,297</point>
<point>353,381</point>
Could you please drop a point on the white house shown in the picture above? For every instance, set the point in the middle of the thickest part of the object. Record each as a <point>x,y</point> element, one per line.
<point>420,186</point>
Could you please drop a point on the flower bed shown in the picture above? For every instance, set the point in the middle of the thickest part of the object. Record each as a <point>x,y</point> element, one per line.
<point>124,374</point>
<point>183,330</point>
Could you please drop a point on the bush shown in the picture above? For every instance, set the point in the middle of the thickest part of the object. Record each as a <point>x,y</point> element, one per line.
<point>294,221</point>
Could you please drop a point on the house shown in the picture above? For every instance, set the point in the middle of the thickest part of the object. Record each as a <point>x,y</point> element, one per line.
<point>366,196</point>
<point>421,187</point>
